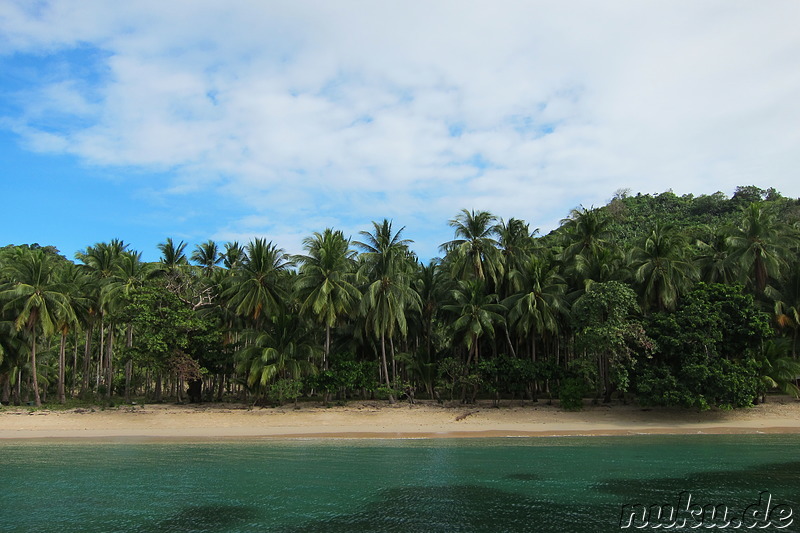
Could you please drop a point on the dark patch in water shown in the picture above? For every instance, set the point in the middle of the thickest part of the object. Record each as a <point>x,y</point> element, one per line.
<point>464,508</point>
<point>780,479</point>
<point>524,477</point>
<point>206,519</point>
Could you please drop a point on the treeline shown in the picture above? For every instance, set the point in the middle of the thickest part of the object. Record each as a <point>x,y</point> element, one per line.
<point>668,300</point>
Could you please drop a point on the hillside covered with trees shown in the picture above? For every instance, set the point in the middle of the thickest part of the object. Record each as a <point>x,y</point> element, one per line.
<point>662,299</point>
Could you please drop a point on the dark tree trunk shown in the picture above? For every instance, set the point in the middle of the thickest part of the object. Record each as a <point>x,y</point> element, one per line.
<point>6,380</point>
<point>195,392</point>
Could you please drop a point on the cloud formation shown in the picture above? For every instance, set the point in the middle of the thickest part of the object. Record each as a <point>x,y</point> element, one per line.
<point>310,113</point>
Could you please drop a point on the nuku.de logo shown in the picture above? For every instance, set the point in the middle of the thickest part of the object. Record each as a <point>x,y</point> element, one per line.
<point>762,515</point>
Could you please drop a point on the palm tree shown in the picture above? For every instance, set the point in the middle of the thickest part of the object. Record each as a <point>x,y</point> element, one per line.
<point>284,351</point>
<point>787,305</point>
<point>102,257</point>
<point>36,299</point>
<point>102,260</point>
<point>207,256</point>
<point>585,232</point>
<point>777,370</point>
<point>173,257</point>
<point>715,260</point>
<point>130,273</point>
<point>233,256</point>
<point>660,265</point>
<point>72,281</point>
<point>760,244</point>
<point>325,280</point>
<point>388,295</point>
<point>431,285</point>
<point>537,301</point>
<point>476,312</point>
<point>256,289</point>
<point>516,242</point>
<point>475,249</point>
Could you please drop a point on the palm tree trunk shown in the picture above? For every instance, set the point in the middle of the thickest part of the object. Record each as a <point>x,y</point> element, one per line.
<point>74,364</point>
<point>34,377</point>
<point>87,361</point>
<point>100,361</point>
<point>327,346</point>
<point>386,369</point>
<point>62,363</point>
<point>394,363</point>
<point>129,363</point>
<point>18,388</point>
<point>110,361</point>
<point>510,344</point>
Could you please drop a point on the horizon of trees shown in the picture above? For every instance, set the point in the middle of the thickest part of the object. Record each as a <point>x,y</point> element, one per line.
<point>668,300</point>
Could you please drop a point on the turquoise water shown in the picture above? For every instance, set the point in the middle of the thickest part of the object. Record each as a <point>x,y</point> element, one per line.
<point>565,484</point>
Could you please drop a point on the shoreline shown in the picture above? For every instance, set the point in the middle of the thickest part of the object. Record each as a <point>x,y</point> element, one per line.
<point>375,420</point>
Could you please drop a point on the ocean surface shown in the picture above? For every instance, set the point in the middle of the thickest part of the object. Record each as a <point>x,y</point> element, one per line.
<point>564,484</point>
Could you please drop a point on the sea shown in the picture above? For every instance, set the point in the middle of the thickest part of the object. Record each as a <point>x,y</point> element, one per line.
<point>542,484</point>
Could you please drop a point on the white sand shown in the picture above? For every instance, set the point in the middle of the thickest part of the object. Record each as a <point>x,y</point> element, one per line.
<point>380,420</point>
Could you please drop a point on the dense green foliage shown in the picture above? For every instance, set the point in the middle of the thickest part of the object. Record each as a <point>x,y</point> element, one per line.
<point>669,300</point>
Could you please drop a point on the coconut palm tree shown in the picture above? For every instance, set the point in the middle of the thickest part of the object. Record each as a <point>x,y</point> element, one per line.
<point>36,299</point>
<point>760,243</point>
<point>475,253</point>
<point>715,261</point>
<point>388,296</point>
<point>537,301</point>
<point>516,242</point>
<point>585,232</point>
<point>207,256</point>
<point>173,258</point>
<point>325,283</point>
<point>661,267</point>
<point>233,256</point>
<point>72,281</point>
<point>283,351</point>
<point>787,305</point>
<point>778,370</point>
<point>102,260</point>
<point>256,290</point>
<point>476,314</point>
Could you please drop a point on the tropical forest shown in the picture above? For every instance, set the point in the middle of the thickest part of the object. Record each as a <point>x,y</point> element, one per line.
<point>658,299</point>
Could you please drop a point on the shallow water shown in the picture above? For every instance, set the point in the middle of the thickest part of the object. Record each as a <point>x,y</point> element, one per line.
<point>564,484</point>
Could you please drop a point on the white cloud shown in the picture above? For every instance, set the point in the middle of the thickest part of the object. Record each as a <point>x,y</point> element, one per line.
<point>348,111</point>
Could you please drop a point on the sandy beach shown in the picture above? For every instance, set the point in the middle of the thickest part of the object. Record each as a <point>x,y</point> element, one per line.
<point>381,420</point>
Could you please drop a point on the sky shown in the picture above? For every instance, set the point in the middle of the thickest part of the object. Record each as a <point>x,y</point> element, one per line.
<point>201,119</point>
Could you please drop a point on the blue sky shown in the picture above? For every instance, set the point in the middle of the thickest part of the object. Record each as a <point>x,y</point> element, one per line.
<point>200,119</point>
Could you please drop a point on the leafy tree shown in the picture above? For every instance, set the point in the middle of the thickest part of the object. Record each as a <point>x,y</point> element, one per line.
<point>706,350</point>
<point>163,325</point>
<point>609,332</point>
